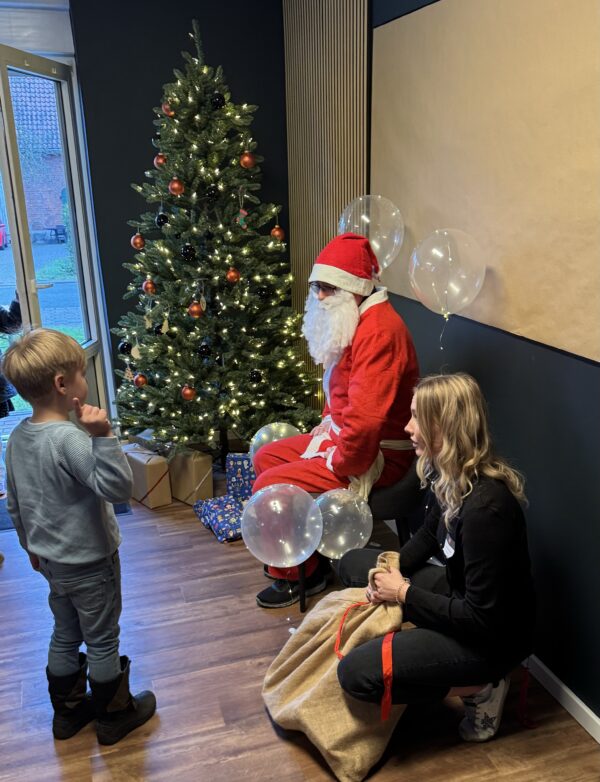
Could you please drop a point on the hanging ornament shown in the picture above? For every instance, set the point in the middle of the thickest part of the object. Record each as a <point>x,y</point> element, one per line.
<point>195,310</point>
<point>255,376</point>
<point>241,219</point>
<point>137,241</point>
<point>247,160</point>
<point>212,192</point>
<point>128,373</point>
<point>147,319</point>
<point>278,233</point>
<point>159,160</point>
<point>204,350</point>
<point>188,252</point>
<point>161,219</point>
<point>165,324</point>
<point>135,351</point>
<point>167,110</point>
<point>140,380</point>
<point>232,275</point>
<point>203,303</point>
<point>188,393</point>
<point>124,348</point>
<point>217,100</point>
<point>149,287</point>
<point>176,186</point>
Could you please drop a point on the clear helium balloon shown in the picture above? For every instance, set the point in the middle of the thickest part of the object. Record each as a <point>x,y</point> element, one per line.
<point>269,434</point>
<point>380,221</point>
<point>347,522</point>
<point>446,271</point>
<point>282,525</point>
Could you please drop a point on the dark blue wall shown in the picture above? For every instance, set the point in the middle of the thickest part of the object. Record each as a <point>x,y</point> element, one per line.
<point>125,52</point>
<point>545,413</point>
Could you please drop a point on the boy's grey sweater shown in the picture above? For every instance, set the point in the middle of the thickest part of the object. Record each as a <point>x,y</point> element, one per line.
<point>60,486</point>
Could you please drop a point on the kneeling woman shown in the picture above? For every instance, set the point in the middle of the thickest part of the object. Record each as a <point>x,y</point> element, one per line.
<point>474,617</point>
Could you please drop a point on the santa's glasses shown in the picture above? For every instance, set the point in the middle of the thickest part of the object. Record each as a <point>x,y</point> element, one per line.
<point>328,290</point>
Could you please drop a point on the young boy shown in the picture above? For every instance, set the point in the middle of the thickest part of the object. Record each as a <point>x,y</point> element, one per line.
<point>61,483</point>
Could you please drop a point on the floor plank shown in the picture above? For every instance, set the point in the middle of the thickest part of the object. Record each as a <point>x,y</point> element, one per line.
<point>192,629</point>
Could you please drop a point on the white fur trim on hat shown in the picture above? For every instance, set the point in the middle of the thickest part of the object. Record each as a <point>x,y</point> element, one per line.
<point>333,275</point>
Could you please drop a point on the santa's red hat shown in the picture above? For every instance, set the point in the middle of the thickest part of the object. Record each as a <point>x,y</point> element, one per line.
<point>347,262</point>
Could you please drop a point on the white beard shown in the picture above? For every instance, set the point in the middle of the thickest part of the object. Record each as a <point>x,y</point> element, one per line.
<point>329,325</point>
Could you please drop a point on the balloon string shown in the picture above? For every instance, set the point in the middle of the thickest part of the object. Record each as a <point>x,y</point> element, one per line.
<point>442,331</point>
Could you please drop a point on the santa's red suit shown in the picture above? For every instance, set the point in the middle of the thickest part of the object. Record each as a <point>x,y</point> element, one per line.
<point>368,395</point>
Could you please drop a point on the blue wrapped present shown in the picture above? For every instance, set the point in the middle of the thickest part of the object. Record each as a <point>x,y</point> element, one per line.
<point>222,515</point>
<point>240,475</point>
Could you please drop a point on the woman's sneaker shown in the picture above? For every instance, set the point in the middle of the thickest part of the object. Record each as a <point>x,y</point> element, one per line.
<point>284,593</point>
<point>483,712</point>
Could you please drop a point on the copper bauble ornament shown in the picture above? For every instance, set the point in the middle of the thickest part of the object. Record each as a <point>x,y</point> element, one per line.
<point>167,109</point>
<point>232,275</point>
<point>149,287</point>
<point>159,160</point>
<point>188,393</point>
<point>278,233</point>
<point>140,380</point>
<point>195,310</point>
<point>176,186</point>
<point>247,160</point>
<point>137,241</point>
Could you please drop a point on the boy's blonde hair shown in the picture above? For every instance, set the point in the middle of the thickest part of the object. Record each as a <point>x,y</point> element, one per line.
<point>32,362</point>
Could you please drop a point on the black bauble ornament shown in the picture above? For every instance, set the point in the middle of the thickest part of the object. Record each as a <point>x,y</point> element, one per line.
<point>161,219</point>
<point>212,192</point>
<point>156,135</point>
<point>188,252</point>
<point>124,348</point>
<point>255,376</point>
<point>204,350</point>
<point>217,100</point>
<point>158,329</point>
<point>262,292</point>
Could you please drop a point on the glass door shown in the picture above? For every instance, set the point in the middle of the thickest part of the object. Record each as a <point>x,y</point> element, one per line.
<point>44,240</point>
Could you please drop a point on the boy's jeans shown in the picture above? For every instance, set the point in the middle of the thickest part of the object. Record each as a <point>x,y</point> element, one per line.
<point>86,604</point>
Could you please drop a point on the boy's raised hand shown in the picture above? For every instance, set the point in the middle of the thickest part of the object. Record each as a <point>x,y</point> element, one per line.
<point>94,419</point>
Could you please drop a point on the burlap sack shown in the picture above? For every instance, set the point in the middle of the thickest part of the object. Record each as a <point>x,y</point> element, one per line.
<point>302,692</point>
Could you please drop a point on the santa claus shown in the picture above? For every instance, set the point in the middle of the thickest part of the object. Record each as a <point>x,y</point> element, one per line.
<point>370,371</point>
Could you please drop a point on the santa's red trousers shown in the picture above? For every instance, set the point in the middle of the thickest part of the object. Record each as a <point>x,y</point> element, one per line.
<point>280,462</point>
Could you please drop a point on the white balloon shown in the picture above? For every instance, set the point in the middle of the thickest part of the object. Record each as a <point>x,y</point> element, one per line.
<point>446,271</point>
<point>347,522</point>
<point>269,434</point>
<point>380,221</point>
<point>282,525</point>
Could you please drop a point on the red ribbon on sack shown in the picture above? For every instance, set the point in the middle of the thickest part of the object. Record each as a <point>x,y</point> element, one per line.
<point>386,660</point>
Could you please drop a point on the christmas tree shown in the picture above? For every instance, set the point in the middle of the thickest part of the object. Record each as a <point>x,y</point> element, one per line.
<point>210,347</point>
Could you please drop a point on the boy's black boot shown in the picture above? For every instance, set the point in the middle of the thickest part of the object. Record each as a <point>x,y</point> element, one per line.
<point>73,709</point>
<point>118,712</point>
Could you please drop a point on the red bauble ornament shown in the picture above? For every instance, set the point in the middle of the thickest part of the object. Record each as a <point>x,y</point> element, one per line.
<point>188,393</point>
<point>138,242</point>
<point>167,110</point>
<point>278,233</point>
<point>159,160</point>
<point>149,287</point>
<point>176,186</point>
<point>140,380</point>
<point>247,160</point>
<point>232,275</point>
<point>195,310</point>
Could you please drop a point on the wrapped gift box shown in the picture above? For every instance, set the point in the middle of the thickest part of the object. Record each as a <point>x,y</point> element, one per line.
<point>151,484</point>
<point>222,515</point>
<point>145,439</point>
<point>240,475</point>
<point>191,476</point>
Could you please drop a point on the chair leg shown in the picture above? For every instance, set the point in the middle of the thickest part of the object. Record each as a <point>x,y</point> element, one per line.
<point>302,586</point>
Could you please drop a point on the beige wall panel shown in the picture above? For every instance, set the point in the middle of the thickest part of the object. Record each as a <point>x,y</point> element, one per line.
<point>486,117</point>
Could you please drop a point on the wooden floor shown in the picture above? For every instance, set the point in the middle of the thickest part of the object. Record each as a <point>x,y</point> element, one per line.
<point>197,638</point>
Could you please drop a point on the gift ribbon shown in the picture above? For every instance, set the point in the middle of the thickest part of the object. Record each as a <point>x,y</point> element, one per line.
<point>151,455</point>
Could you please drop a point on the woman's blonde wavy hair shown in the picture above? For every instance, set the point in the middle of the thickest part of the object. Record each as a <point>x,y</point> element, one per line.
<point>452,418</point>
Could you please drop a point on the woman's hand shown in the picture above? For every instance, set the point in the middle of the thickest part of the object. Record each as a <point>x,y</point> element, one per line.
<point>391,587</point>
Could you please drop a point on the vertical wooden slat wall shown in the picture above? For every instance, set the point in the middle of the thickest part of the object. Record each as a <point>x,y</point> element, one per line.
<point>326,102</point>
